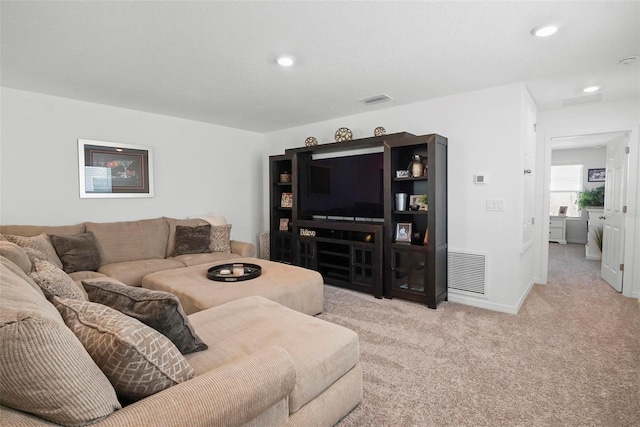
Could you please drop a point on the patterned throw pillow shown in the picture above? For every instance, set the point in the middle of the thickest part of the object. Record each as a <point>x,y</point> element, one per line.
<point>158,309</point>
<point>193,240</point>
<point>221,238</point>
<point>77,253</point>
<point>55,282</point>
<point>138,360</point>
<point>37,247</point>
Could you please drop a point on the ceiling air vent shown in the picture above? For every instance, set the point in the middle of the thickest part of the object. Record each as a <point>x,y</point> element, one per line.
<point>376,99</point>
<point>586,99</point>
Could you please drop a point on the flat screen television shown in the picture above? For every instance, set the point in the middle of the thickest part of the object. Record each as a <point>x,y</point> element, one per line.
<point>349,187</point>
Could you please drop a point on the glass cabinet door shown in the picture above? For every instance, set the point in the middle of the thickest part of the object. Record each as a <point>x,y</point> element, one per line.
<point>362,266</point>
<point>408,270</point>
<point>307,254</point>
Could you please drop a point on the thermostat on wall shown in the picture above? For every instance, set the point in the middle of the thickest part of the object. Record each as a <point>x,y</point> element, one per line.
<point>479,179</point>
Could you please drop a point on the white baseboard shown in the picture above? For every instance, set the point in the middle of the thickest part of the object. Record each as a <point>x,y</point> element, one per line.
<point>464,298</point>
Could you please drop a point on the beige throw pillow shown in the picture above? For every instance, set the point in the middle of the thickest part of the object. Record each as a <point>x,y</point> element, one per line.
<point>138,360</point>
<point>55,282</point>
<point>221,238</point>
<point>37,247</point>
<point>44,369</point>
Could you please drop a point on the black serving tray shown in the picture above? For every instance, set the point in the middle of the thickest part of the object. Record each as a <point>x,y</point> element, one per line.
<point>251,271</point>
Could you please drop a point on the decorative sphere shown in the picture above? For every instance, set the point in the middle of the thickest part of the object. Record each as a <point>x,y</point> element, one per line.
<point>311,141</point>
<point>379,131</point>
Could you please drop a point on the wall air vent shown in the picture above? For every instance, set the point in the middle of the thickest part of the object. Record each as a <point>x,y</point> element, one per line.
<point>467,272</point>
<point>586,99</point>
<point>376,99</point>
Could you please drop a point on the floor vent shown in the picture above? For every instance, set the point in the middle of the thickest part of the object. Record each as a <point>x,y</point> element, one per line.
<point>467,272</point>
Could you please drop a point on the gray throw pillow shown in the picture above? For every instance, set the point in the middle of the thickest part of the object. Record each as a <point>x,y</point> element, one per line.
<point>159,310</point>
<point>77,253</point>
<point>193,240</point>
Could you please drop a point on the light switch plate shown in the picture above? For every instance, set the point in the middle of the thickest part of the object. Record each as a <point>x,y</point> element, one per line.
<point>495,205</point>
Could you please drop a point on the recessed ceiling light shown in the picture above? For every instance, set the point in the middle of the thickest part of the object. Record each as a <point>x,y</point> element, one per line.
<point>285,60</point>
<point>544,30</point>
<point>591,89</point>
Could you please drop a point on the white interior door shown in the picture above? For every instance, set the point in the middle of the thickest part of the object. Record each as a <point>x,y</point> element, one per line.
<point>615,192</point>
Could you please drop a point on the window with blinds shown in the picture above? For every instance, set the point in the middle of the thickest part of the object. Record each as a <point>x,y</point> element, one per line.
<point>566,183</point>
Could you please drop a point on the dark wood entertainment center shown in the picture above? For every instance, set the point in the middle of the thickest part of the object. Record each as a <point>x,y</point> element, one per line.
<point>362,253</point>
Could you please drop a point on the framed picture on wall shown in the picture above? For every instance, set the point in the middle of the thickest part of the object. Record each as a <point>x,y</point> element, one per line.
<point>108,169</point>
<point>562,210</point>
<point>596,175</point>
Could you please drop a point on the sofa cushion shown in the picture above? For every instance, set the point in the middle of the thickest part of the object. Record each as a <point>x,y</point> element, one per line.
<point>14,253</point>
<point>160,310</point>
<point>130,240</point>
<point>41,359</point>
<point>77,253</point>
<point>37,247</point>
<point>193,240</point>
<point>322,352</point>
<point>221,238</point>
<point>132,272</point>
<point>173,223</point>
<point>197,259</point>
<point>34,230</point>
<point>138,360</point>
<point>55,282</point>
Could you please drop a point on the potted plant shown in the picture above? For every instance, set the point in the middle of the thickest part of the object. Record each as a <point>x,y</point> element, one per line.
<point>593,197</point>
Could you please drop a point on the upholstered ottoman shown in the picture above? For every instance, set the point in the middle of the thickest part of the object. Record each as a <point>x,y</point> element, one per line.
<point>325,356</point>
<point>294,287</point>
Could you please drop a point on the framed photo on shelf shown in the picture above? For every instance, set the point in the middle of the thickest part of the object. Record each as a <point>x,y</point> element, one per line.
<point>403,232</point>
<point>108,169</point>
<point>420,200</point>
<point>284,224</point>
<point>287,200</point>
<point>596,175</point>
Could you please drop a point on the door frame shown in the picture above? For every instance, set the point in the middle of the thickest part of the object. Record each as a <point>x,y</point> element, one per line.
<point>631,286</point>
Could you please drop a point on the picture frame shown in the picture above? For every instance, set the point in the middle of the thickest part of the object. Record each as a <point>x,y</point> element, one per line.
<point>596,175</point>
<point>414,200</point>
<point>114,170</point>
<point>284,224</point>
<point>286,201</point>
<point>562,211</point>
<point>403,232</point>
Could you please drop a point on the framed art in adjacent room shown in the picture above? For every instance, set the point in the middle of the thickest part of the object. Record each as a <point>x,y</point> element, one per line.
<point>403,232</point>
<point>108,169</point>
<point>596,175</point>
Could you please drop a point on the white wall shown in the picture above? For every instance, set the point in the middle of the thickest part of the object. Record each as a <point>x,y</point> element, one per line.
<point>587,119</point>
<point>483,131</point>
<point>199,168</point>
<point>589,158</point>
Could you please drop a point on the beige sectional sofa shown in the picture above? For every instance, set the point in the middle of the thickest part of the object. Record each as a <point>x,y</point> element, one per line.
<point>265,365</point>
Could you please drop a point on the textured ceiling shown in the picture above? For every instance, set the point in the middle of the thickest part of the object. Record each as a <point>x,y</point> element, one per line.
<point>214,61</point>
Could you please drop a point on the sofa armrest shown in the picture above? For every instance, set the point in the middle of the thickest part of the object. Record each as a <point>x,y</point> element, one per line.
<point>243,248</point>
<point>231,395</point>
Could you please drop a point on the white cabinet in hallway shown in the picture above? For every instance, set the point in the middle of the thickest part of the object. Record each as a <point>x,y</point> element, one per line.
<point>558,229</point>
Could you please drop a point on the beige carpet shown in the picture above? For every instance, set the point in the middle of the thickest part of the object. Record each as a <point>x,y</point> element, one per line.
<point>571,357</point>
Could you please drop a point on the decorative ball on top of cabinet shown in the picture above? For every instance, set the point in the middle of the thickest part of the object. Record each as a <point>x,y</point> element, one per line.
<point>379,131</point>
<point>311,141</point>
<point>343,134</point>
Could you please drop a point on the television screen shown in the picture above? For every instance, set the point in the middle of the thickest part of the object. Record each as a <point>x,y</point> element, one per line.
<point>350,187</point>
